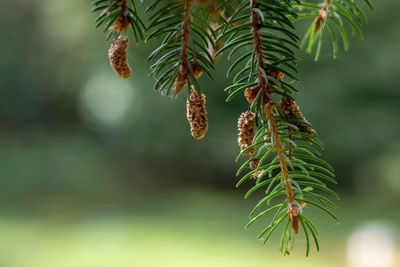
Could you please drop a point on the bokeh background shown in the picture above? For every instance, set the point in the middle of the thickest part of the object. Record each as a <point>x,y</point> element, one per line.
<point>96,171</point>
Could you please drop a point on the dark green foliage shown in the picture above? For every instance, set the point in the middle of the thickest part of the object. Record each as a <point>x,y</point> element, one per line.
<point>110,11</point>
<point>342,16</point>
<point>166,25</point>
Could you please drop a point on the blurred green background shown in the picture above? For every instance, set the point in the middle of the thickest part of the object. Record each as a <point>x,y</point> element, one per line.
<point>97,171</point>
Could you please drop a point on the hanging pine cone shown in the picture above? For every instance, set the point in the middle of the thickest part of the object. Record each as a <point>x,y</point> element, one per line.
<point>290,109</point>
<point>118,57</point>
<point>196,114</point>
<point>246,127</point>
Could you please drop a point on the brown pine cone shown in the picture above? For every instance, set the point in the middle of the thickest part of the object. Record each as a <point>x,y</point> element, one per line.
<point>118,57</point>
<point>246,126</point>
<point>196,114</point>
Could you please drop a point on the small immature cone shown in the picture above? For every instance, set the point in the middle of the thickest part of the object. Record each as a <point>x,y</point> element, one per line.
<point>246,127</point>
<point>294,216</point>
<point>197,70</point>
<point>196,114</point>
<point>253,165</point>
<point>118,57</point>
<point>276,74</point>
<point>251,93</point>
<point>291,110</point>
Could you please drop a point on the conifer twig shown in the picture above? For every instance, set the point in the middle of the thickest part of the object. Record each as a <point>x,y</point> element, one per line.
<point>281,150</point>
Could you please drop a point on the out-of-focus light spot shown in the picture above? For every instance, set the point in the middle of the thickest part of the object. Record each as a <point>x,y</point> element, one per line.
<point>108,101</point>
<point>60,25</point>
<point>371,245</point>
<point>390,170</point>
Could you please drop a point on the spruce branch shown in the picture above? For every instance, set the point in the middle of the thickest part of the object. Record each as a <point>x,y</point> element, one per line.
<point>118,16</point>
<point>338,17</point>
<point>183,54</point>
<point>279,147</point>
<point>281,157</point>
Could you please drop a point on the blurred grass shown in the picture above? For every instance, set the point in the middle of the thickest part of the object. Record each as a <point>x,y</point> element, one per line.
<point>197,228</point>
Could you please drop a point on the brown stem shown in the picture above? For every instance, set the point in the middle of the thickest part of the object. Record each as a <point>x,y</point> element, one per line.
<point>262,82</point>
<point>323,15</point>
<point>290,152</point>
<point>123,8</point>
<point>269,110</point>
<point>257,41</point>
<point>185,37</point>
<point>122,23</point>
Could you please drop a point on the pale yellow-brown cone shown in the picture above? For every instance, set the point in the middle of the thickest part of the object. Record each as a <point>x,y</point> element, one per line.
<point>118,57</point>
<point>246,127</point>
<point>196,114</point>
<point>290,109</point>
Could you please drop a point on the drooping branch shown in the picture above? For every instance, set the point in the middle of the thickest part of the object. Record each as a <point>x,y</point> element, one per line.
<point>269,108</point>
<point>182,57</point>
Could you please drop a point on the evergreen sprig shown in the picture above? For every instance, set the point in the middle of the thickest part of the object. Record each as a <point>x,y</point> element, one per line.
<point>117,16</point>
<point>286,162</point>
<point>337,16</point>
<point>279,147</point>
<point>183,54</point>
